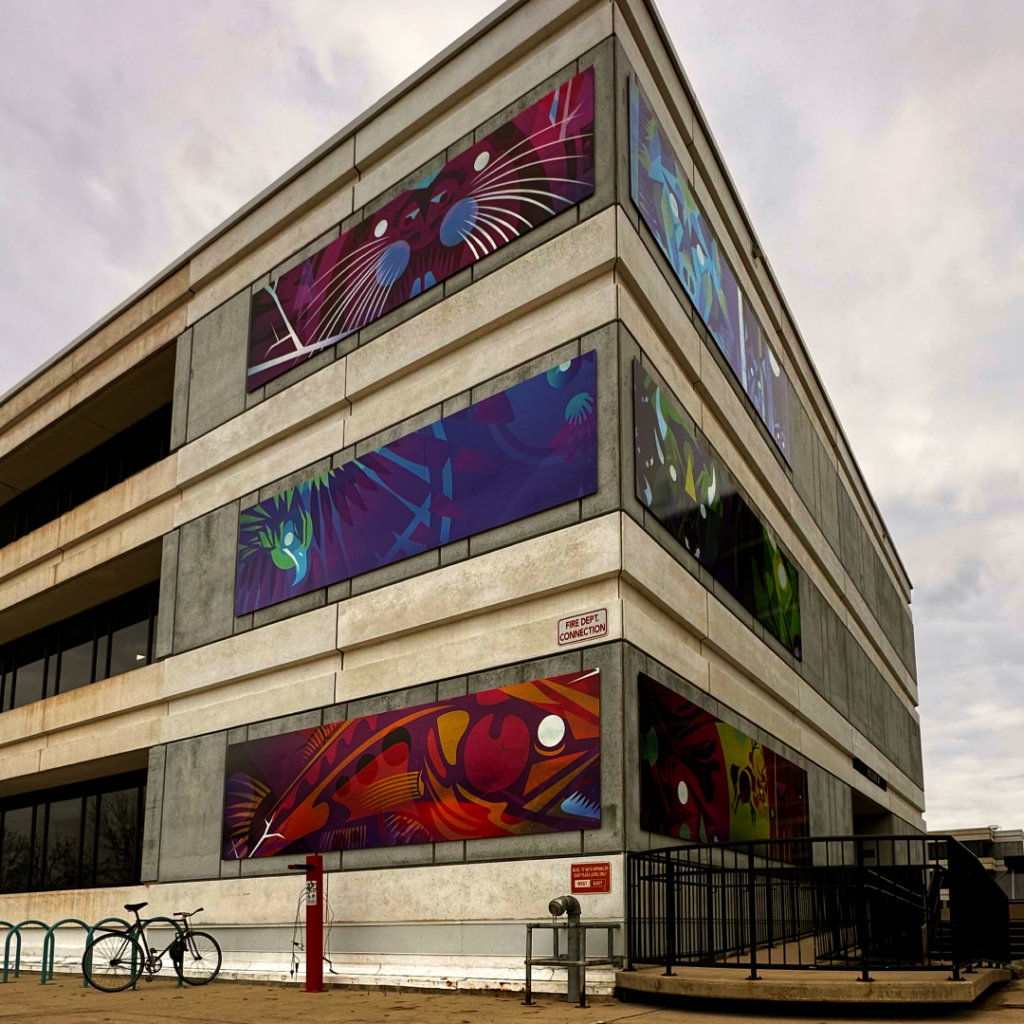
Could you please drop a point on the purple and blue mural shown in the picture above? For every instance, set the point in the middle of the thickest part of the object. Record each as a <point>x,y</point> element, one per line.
<point>531,168</point>
<point>666,201</point>
<point>519,760</point>
<point>523,450</point>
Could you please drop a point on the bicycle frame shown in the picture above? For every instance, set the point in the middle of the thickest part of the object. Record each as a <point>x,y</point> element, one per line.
<point>137,931</point>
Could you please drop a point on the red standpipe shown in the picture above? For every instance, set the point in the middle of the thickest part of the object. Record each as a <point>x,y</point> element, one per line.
<point>314,868</point>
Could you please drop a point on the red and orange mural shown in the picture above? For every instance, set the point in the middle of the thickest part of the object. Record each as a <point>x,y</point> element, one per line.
<point>706,781</point>
<point>516,760</point>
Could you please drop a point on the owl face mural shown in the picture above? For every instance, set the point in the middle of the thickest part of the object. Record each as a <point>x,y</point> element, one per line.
<point>519,760</point>
<point>531,168</point>
<point>666,201</point>
<point>706,781</point>
<point>523,450</point>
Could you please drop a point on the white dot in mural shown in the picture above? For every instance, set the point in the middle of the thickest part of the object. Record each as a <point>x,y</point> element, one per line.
<point>700,255</point>
<point>550,731</point>
<point>683,792</point>
<point>382,226</point>
<point>781,573</point>
<point>675,206</point>
<point>481,161</point>
<point>289,537</point>
<point>672,471</point>
<point>564,367</point>
<point>703,512</point>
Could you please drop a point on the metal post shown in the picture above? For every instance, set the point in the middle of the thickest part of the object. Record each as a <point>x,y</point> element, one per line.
<point>670,914</point>
<point>583,968</point>
<point>574,943</point>
<point>752,913</point>
<point>314,868</point>
<point>528,1001</point>
<point>862,915</point>
<point>314,923</point>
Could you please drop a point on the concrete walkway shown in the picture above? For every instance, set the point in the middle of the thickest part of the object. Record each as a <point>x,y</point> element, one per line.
<point>889,987</point>
<point>64,1001</point>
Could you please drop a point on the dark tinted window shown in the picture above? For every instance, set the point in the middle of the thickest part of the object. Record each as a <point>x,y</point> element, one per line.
<point>16,858</point>
<point>29,670</point>
<point>111,638</point>
<point>74,837</point>
<point>123,455</point>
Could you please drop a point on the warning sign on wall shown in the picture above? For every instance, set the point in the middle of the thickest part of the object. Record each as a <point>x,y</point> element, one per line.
<point>591,878</point>
<point>578,628</point>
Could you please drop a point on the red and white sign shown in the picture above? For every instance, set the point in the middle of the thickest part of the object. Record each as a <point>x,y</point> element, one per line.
<point>591,878</point>
<point>578,628</point>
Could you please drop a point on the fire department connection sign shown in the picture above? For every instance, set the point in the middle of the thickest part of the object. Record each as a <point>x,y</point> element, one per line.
<point>589,879</point>
<point>578,628</point>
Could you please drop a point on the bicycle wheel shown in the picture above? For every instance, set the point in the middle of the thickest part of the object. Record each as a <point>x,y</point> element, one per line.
<point>113,962</point>
<point>200,959</point>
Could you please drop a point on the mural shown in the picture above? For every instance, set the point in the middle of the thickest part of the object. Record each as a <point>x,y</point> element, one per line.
<point>703,780</point>
<point>513,761</point>
<point>526,449</point>
<point>692,495</point>
<point>522,174</point>
<point>665,198</point>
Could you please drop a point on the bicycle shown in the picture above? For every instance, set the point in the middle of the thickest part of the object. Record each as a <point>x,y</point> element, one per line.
<point>115,961</point>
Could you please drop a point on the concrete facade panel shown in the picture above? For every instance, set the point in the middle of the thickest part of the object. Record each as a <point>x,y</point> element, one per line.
<point>205,591</point>
<point>163,642</point>
<point>220,343</point>
<point>182,381</point>
<point>192,805</point>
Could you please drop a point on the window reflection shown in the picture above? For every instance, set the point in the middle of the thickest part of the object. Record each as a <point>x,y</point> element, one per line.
<point>76,646</point>
<point>111,638</point>
<point>30,670</point>
<point>16,858</point>
<point>129,647</point>
<point>84,835</point>
<point>63,839</point>
<point>118,838</point>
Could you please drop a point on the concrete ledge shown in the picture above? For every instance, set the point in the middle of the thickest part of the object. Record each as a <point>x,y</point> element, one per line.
<point>808,986</point>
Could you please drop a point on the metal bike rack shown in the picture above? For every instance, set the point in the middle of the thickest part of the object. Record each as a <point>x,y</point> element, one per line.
<point>16,932</point>
<point>575,960</point>
<point>50,944</point>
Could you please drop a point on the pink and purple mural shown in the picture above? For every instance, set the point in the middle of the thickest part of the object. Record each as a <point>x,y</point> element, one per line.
<point>706,781</point>
<point>518,760</point>
<point>523,450</point>
<point>525,172</point>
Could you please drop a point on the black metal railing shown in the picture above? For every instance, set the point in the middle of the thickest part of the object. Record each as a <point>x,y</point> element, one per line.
<point>863,903</point>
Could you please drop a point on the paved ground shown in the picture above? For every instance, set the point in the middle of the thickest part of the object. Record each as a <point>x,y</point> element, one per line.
<point>65,1002</point>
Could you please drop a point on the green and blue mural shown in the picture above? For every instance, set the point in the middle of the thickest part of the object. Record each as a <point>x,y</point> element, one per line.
<point>666,201</point>
<point>690,492</point>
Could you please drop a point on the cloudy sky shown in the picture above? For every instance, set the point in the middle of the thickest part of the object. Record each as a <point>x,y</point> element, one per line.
<point>879,147</point>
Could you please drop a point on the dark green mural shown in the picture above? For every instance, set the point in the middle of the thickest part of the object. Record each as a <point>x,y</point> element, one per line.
<point>685,485</point>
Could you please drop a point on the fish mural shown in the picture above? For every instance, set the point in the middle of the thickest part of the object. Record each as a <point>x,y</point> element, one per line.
<point>517,760</point>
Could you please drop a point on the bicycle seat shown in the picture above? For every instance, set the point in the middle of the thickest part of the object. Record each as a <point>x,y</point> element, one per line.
<point>133,908</point>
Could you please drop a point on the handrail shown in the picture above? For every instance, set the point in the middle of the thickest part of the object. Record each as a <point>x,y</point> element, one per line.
<point>865,903</point>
